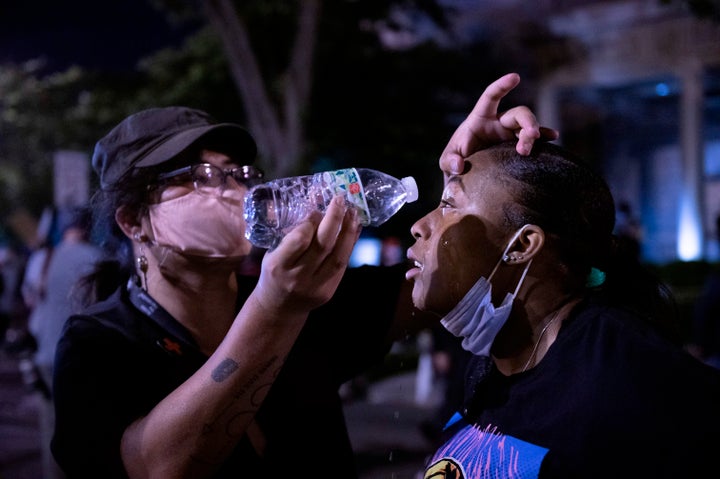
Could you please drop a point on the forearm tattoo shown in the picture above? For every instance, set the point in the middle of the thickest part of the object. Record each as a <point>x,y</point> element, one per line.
<point>234,416</point>
<point>224,370</point>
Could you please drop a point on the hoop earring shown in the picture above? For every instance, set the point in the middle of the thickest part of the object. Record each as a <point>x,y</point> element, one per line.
<point>141,261</point>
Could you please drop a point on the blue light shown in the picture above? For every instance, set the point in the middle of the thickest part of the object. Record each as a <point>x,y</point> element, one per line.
<point>662,89</point>
<point>689,247</point>
<point>366,251</point>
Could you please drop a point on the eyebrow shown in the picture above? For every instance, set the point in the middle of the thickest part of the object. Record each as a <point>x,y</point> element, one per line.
<point>457,179</point>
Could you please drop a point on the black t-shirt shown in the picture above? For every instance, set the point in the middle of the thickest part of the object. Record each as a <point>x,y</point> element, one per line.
<point>609,399</point>
<point>119,358</point>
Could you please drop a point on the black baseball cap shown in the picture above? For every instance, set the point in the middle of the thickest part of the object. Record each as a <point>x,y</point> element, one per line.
<point>154,136</point>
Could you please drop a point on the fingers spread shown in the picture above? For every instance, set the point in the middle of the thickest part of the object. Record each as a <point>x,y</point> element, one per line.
<point>549,134</point>
<point>520,117</point>
<point>487,104</point>
<point>486,126</point>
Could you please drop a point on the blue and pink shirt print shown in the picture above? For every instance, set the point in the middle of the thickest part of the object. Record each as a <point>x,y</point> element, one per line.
<point>475,453</point>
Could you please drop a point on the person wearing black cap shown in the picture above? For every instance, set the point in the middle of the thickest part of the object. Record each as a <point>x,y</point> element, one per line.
<point>179,367</point>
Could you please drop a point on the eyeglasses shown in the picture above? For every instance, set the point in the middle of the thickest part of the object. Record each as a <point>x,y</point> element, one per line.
<point>206,177</point>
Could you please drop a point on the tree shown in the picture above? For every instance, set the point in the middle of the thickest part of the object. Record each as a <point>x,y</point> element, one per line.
<point>276,97</point>
<point>38,114</point>
<point>318,87</point>
<point>278,131</point>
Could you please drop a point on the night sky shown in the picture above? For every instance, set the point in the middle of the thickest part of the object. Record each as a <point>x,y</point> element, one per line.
<point>108,34</point>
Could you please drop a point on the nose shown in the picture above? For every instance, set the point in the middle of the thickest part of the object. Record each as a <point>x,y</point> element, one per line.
<point>229,181</point>
<point>420,228</point>
<point>232,188</point>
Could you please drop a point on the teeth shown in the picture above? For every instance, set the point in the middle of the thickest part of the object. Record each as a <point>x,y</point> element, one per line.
<point>418,265</point>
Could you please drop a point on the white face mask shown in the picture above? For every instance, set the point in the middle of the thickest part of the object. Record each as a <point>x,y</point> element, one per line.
<point>200,225</point>
<point>475,318</point>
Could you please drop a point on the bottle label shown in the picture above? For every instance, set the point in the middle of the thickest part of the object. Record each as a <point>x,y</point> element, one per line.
<point>347,182</point>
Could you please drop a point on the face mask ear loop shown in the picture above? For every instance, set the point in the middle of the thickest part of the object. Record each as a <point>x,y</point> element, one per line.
<point>522,278</point>
<point>507,248</point>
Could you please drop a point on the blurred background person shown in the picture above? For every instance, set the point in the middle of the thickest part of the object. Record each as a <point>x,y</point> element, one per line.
<point>48,287</point>
<point>13,312</point>
<point>32,287</point>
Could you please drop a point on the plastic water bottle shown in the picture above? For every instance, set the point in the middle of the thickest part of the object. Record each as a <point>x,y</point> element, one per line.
<point>272,208</point>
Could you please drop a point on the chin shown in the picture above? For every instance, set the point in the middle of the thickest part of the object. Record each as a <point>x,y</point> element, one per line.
<point>422,301</point>
<point>418,298</point>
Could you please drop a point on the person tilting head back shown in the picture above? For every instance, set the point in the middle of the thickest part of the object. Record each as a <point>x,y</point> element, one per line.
<point>572,349</point>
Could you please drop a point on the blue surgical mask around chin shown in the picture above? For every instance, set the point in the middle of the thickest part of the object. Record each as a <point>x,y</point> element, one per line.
<point>475,318</point>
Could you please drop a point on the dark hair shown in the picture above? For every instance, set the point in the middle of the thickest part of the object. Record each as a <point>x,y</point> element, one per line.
<point>118,266</point>
<point>565,196</point>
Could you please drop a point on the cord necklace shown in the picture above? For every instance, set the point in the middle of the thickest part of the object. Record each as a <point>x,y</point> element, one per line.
<point>540,337</point>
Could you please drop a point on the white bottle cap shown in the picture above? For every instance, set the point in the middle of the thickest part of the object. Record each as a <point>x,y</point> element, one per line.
<point>411,188</point>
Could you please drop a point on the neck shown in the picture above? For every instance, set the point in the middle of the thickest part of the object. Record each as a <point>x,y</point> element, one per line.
<point>202,299</point>
<point>539,334</point>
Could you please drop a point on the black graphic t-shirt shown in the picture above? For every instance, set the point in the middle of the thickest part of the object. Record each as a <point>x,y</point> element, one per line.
<point>609,399</point>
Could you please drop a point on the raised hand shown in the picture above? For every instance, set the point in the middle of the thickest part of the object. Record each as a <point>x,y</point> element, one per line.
<point>485,126</point>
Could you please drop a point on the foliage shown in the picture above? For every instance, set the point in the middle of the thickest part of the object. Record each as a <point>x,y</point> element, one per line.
<point>38,116</point>
<point>72,109</point>
<point>195,75</point>
<point>370,105</point>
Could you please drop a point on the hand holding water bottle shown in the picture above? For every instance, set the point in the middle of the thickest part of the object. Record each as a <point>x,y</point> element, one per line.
<point>272,208</point>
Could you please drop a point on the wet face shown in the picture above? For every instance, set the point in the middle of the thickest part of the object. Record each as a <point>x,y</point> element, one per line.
<point>460,240</point>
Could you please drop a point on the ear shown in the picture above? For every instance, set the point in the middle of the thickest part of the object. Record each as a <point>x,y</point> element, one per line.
<point>526,246</point>
<point>129,223</point>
